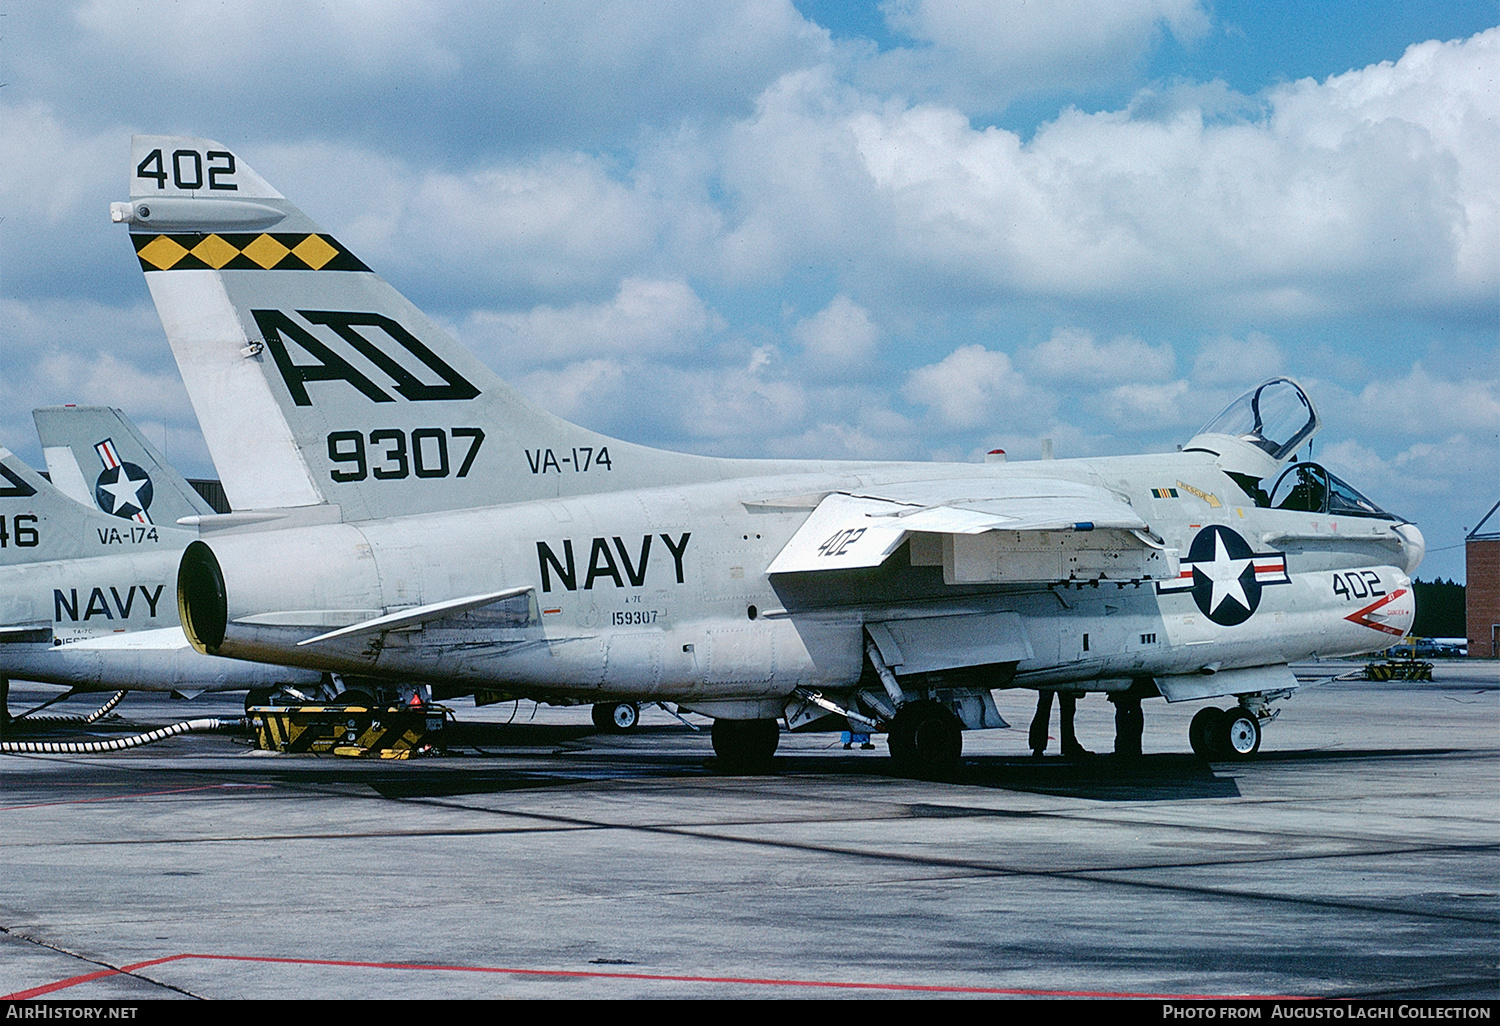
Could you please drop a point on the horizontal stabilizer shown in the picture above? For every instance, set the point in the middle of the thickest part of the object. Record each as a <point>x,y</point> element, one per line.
<point>164,639</point>
<point>26,634</point>
<point>419,615</point>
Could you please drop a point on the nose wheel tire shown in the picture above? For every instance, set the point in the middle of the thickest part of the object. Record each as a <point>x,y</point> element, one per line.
<point>1203,732</point>
<point>1239,735</point>
<point>616,717</point>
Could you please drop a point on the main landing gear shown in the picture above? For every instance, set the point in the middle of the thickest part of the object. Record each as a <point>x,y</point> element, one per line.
<point>926,739</point>
<point>1224,733</point>
<point>746,745</point>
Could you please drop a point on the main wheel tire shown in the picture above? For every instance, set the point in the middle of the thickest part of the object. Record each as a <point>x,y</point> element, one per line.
<point>616,717</point>
<point>926,738</point>
<point>746,745</point>
<point>1203,732</point>
<point>1239,735</point>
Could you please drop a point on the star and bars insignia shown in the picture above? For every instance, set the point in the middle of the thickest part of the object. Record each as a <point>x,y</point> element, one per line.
<point>1224,576</point>
<point>244,251</point>
<point>123,490</point>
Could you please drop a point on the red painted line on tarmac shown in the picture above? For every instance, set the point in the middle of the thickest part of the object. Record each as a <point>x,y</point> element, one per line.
<point>48,988</point>
<point>142,794</point>
<point>908,988</point>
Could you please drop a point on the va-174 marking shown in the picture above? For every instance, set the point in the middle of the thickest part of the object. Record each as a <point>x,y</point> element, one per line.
<point>583,459</point>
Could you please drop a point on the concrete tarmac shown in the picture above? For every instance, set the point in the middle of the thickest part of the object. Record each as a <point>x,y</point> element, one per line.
<point>1356,856</point>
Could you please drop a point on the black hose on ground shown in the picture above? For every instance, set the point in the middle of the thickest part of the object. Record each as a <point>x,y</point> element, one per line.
<point>117,745</point>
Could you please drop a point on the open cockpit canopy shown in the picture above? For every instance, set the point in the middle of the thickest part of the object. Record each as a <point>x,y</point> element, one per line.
<point>1260,430</point>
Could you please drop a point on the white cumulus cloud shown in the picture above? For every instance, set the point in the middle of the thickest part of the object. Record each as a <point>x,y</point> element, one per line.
<point>974,386</point>
<point>838,340</point>
<point>1073,356</point>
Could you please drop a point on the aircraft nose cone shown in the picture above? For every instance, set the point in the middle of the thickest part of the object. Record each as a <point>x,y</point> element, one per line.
<point>1413,547</point>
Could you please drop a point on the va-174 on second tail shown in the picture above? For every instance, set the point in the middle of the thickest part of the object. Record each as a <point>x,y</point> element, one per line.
<point>405,515</point>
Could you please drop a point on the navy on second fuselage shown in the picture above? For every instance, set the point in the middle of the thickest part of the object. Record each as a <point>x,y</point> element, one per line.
<point>98,603</point>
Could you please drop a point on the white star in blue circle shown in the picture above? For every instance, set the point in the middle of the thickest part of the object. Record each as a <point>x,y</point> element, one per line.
<point>124,491</point>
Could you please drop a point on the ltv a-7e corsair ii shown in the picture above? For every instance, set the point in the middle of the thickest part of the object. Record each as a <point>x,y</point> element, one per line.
<point>408,517</point>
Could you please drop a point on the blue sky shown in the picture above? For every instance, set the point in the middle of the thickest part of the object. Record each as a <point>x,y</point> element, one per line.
<point>917,229</point>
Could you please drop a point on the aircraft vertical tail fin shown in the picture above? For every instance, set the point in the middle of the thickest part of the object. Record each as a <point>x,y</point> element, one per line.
<point>98,457</point>
<point>39,523</point>
<point>315,381</point>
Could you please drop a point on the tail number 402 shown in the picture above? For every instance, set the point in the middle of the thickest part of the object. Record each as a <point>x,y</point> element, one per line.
<point>391,454</point>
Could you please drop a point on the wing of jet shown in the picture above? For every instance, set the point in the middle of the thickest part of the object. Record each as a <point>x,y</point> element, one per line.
<point>949,520</point>
<point>403,514</point>
<point>88,599</point>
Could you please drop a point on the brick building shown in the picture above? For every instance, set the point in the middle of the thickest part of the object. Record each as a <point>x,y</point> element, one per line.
<point>1482,570</point>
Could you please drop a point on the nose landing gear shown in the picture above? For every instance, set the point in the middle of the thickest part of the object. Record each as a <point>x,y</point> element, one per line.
<point>616,717</point>
<point>1224,733</point>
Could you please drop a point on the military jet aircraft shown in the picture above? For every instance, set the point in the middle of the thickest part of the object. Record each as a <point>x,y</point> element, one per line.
<point>88,598</point>
<point>407,515</point>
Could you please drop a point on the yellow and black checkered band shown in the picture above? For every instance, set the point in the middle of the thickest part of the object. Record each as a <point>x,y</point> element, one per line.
<point>247,251</point>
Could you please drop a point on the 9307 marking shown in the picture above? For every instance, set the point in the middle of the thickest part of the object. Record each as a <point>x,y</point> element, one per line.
<point>394,455</point>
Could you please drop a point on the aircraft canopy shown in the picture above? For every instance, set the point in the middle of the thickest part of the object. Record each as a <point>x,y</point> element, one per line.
<point>1261,429</point>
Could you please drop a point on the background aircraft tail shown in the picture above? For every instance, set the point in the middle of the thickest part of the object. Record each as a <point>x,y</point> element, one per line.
<point>98,457</point>
<point>316,381</point>
<point>39,523</point>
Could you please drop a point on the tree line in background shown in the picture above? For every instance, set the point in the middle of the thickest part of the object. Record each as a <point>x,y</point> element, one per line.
<point>1440,609</point>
